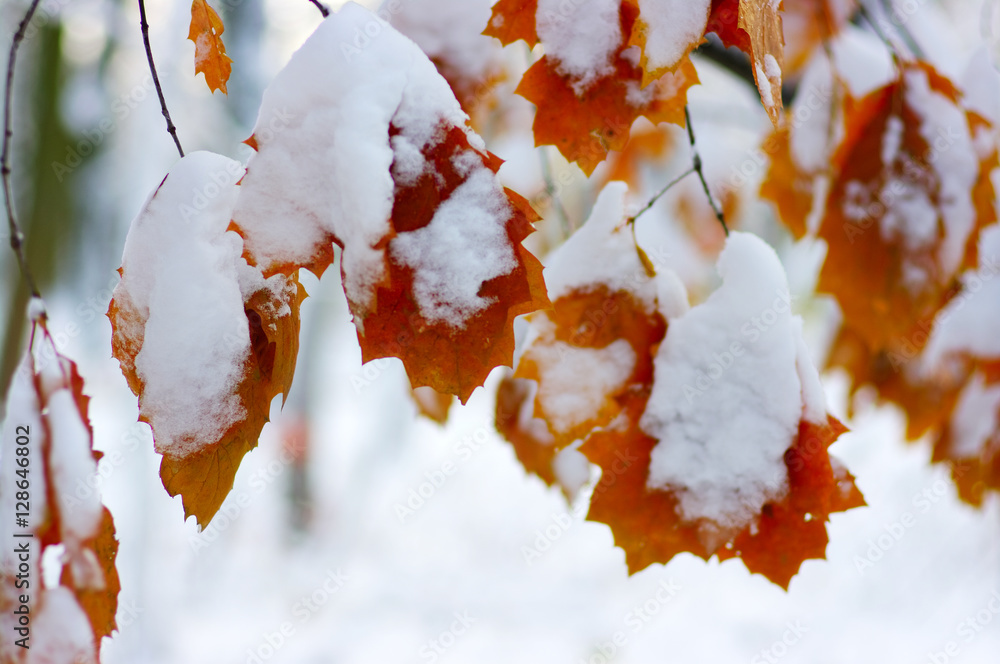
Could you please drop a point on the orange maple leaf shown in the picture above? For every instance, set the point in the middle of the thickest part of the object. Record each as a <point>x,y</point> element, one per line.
<point>591,318</point>
<point>513,20</point>
<point>204,478</point>
<point>83,526</point>
<point>975,464</point>
<point>646,525</point>
<point>754,27</point>
<point>436,353</point>
<point>529,436</point>
<point>889,277</point>
<point>209,52</point>
<point>586,126</point>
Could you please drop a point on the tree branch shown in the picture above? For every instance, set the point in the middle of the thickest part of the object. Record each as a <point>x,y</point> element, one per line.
<point>323,9</point>
<point>553,193</point>
<point>701,175</point>
<point>16,236</point>
<point>652,201</point>
<point>171,129</point>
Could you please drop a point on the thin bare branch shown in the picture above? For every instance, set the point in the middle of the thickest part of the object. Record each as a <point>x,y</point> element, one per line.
<point>652,201</point>
<point>701,175</point>
<point>323,9</point>
<point>553,193</point>
<point>16,236</point>
<point>171,129</point>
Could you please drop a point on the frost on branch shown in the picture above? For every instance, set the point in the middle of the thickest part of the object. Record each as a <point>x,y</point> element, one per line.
<point>362,144</point>
<point>727,454</point>
<point>47,416</point>
<point>204,340</point>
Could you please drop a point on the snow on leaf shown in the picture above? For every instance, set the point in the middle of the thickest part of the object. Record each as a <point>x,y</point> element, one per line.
<point>667,31</point>
<point>204,340</point>
<point>760,20</point>
<point>471,62</point>
<point>47,414</point>
<point>376,156</point>
<point>898,374</point>
<point>970,441</point>
<point>907,198</point>
<point>209,52</point>
<point>754,27</point>
<point>594,346</point>
<point>586,121</point>
<point>698,463</point>
<point>513,20</point>
<point>457,273</point>
<point>530,437</point>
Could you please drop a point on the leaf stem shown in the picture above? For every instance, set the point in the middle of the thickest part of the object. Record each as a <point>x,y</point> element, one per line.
<point>323,9</point>
<point>16,236</point>
<point>550,189</point>
<point>144,25</point>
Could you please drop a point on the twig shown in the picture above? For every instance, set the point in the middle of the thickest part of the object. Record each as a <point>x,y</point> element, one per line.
<point>550,189</point>
<point>701,175</point>
<point>905,33</point>
<point>171,129</point>
<point>323,9</point>
<point>652,201</point>
<point>889,43</point>
<point>16,236</point>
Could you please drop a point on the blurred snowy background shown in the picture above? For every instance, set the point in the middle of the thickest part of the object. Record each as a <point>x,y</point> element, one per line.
<point>313,558</point>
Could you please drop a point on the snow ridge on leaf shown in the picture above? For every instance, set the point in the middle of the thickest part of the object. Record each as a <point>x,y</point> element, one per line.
<point>687,467</point>
<point>376,156</point>
<point>585,122</point>
<point>47,413</point>
<point>203,339</point>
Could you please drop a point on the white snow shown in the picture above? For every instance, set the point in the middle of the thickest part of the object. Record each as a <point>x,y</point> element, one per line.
<point>457,43</point>
<point>572,469</point>
<point>464,245</point>
<point>325,166</point>
<point>764,85</point>
<point>581,36</point>
<point>71,466</point>
<point>953,159</point>
<point>602,251</point>
<point>970,322</point>
<point>36,309</point>
<point>60,631</point>
<point>673,27</point>
<point>575,382</point>
<point>180,277</point>
<point>22,410</point>
<point>976,419</point>
<point>727,397</point>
